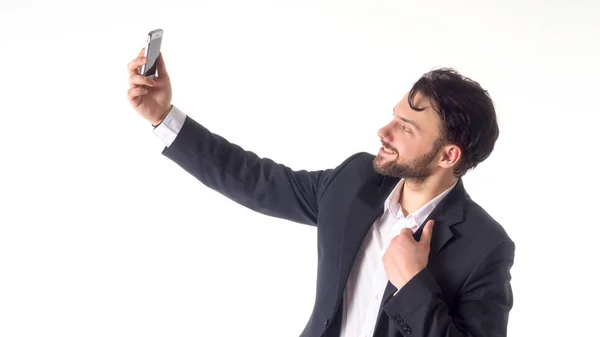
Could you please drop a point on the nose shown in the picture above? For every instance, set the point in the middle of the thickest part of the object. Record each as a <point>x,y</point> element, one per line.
<point>384,132</point>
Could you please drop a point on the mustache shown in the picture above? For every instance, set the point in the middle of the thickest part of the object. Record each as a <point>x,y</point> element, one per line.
<point>388,145</point>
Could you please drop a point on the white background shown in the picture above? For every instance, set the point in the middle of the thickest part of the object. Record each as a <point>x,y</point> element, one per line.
<point>100,235</point>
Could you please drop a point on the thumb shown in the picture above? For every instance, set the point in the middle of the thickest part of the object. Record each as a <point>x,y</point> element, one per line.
<point>427,233</point>
<point>162,69</point>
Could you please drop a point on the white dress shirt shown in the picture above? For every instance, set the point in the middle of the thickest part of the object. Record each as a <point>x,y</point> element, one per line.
<point>367,281</point>
<point>170,126</point>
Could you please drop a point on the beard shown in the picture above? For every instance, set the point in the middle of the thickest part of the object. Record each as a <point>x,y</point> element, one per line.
<point>418,170</point>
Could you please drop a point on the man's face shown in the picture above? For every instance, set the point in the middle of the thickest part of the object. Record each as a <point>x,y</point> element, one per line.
<point>410,142</point>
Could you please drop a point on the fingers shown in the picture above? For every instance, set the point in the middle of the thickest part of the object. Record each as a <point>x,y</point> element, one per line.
<point>137,80</point>
<point>134,66</point>
<point>133,94</point>
<point>427,233</point>
<point>407,231</point>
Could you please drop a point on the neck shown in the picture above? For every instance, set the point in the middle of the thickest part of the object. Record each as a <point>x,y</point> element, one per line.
<point>415,194</point>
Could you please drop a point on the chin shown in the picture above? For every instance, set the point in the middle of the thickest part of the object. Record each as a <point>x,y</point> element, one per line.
<point>386,159</point>
<point>380,162</point>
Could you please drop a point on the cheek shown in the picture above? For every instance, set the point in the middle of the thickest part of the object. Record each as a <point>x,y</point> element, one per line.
<point>401,142</point>
<point>407,146</point>
<point>404,150</point>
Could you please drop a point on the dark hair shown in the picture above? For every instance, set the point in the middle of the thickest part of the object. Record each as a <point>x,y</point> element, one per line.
<point>467,113</point>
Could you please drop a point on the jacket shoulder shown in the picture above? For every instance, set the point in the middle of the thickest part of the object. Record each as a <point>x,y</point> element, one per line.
<point>484,224</point>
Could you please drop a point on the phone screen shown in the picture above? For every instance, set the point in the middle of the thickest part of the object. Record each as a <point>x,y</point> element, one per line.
<point>153,49</point>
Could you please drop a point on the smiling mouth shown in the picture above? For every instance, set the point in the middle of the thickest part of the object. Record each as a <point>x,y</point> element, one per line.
<point>387,150</point>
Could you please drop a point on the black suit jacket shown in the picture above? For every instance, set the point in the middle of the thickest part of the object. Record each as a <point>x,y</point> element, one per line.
<point>465,288</point>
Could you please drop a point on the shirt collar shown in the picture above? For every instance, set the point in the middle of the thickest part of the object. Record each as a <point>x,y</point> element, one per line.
<point>392,204</point>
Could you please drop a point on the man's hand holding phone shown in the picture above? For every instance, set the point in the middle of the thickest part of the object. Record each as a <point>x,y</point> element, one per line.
<point>151,98</point>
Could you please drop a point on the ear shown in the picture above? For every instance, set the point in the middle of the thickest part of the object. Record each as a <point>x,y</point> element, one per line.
<point>450,156</point>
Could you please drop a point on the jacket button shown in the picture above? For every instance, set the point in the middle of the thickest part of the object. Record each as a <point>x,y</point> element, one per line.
<point>327,322</point>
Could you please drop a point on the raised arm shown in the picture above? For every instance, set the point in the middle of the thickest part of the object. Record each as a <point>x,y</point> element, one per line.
<point>257,183</point>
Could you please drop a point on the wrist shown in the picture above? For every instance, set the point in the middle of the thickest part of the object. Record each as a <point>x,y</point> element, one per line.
<point>158,121</point>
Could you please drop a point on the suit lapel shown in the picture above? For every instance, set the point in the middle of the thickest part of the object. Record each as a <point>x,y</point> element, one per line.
<point>365,209</point>
<point>448,212</point>
<point>368,206</point>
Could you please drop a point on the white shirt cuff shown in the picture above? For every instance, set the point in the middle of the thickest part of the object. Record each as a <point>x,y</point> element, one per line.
<point>168,130</point>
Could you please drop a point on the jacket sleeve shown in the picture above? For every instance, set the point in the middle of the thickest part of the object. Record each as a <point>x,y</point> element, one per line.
<point>481,309</point>
<point>257,183</point>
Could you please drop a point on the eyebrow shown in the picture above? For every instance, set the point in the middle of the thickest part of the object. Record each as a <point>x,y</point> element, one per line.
<point>406,120</point>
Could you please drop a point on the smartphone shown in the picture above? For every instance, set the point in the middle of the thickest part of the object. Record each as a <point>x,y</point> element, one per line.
<point>153,42</point>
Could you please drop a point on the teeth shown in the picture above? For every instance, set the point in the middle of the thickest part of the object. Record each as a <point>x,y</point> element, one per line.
<point>387,150</point>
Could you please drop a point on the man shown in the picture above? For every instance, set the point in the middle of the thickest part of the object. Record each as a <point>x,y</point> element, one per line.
<point>403,250</point>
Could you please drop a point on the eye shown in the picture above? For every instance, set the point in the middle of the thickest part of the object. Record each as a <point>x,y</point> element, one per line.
<point>405,128</point>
